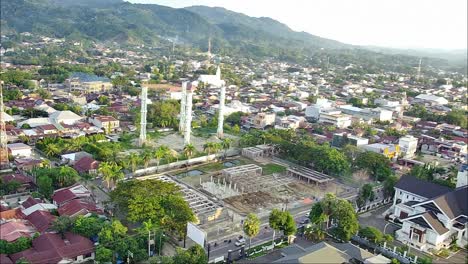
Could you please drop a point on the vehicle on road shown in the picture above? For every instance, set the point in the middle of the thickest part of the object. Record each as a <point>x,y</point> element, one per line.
<point>240,242</point>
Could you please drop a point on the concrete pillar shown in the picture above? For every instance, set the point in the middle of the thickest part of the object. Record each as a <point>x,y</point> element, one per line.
<point>144,98</point>
<point>222,99</point>
<point>188,117</point>
<point>183,109</point>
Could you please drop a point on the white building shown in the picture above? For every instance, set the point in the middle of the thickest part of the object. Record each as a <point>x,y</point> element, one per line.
<point>213,80</point>
<point>334,117</point>
<point>107,123</point>
<point>19,150</point>
<point>408,146</point>
<point>433,215</point>
<point>313,111</point>
<point>367,114</point>
<point>289,122</point>
<point>261,120</point>
<point>431,99</point>
<point>232,107</point>
<point>64,117</point>
<point>462,176</point>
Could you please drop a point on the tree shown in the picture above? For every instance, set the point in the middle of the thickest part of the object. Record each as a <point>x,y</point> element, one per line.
<point>339,210</point>
<point>133,160</point>
<point>376,164</point>
<point>189,150</point>
<point>62,225</point>
<point>226,144</point>
<point>160,153</point>
<point>275,221</point>
<point>87,226</point>
<point>194,255</point>
<point>66,176</point>
<point>146,157</point>
<point>111,232</point>
<point>251,226</point>
<point>103,254</point>
<point>44,184</point>
<point>51,150</point>
<point>372,234</point>
<point>367,192</point>
<point>289,225</point>
<point>389,186</point>
<point>155,200</point>
<point>105,168</point>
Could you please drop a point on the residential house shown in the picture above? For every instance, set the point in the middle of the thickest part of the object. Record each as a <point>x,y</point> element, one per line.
<point>390,151</point>
<point>433,216</point>
<point>19,150</point>
<point>50,248</point>
<point>86,165</point>
<point>107,123</point>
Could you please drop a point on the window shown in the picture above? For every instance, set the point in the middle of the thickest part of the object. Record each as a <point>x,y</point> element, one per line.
<point>407,196</point>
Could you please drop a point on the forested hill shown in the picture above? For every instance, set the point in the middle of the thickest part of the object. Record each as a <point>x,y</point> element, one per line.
<point>232,33</point>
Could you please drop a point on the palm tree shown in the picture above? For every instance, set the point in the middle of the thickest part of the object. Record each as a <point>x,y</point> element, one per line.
<point>133,160</point>
<point>146,157</point>
<point>105,168</point>
<point>160,153</point>
<point>226,144</point>
<point>51,150</point>
<point>189,150</point>
<point>116,173</point>
<point>171,155</point>
<point>208,147</point>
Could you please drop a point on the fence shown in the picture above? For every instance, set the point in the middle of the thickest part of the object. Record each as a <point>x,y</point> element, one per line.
<point>384,250</point>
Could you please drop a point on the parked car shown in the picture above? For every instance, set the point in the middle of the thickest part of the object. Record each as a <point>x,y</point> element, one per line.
<point>240,242</point>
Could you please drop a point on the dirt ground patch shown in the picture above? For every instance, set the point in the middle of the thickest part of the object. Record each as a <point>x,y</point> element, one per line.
<point>308,190</point>
<point>250,202</point>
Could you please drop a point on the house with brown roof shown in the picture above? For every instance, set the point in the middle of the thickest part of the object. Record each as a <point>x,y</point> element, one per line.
<point>433,216</point>
<point>12,230</point>
<point>86,165</point>
<point>50,248</point>
<point>79,207</point>
<point>64,195</point>
<point>41,220</point>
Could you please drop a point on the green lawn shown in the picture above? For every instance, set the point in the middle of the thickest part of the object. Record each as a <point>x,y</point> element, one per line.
<point>273,168</point>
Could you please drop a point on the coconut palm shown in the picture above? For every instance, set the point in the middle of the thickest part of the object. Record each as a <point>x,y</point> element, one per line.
<point>171,155</point>
<point>226,144</point>
<point>51,150</point>
<point>189,150</point>
<point>133,160</point>
<point>105,168</point>
<point>160,153</point>
<point>146,157</point>
<point>117,173</point>
<point>209,147</point>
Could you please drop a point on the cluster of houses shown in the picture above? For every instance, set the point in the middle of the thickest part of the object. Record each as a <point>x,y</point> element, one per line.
<point>28,217</point>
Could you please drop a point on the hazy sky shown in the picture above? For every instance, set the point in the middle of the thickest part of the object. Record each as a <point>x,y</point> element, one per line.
<point>389,23</point>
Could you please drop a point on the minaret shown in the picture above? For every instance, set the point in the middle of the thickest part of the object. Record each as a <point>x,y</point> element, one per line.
<point>144,98</point>
<point>419,70</point>
<point>209,48</point>
<point>188,115</point>
<point>183,101</point>
<point>222,99</point>
<point>4,163</point>
<point>218,73</point>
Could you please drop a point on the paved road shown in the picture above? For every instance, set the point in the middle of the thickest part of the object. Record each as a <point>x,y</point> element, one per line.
<point>265,235</point>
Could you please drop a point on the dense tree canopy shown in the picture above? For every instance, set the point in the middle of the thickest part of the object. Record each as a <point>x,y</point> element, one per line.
<point>376,164</point>
<point>154,200</point>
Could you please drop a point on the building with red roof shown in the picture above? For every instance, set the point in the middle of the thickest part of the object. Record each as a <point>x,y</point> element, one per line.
<point>86,165</point>
<point>50,248</point>
<point>11,231</point>
<point>41,220</point>
<point>79,207</point>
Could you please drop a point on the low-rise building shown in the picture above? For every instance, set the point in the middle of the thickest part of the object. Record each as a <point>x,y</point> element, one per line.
<point>408,146</point>
<point>19,150</point>
<point>388,150</point>
<point>335,117</point>
<point>107,123</point>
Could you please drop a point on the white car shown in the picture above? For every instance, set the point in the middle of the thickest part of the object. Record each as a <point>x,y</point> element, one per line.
<point>240,242</point>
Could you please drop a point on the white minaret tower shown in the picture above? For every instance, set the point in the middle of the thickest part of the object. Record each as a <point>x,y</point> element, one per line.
<point>183,109</point>
<point>218,73</point>
<point>144,98</point>
<point>462,176</point>
<point>4,163</point>
<point>188,115</point>
<point>419,70</point>
<point>222,99</point>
